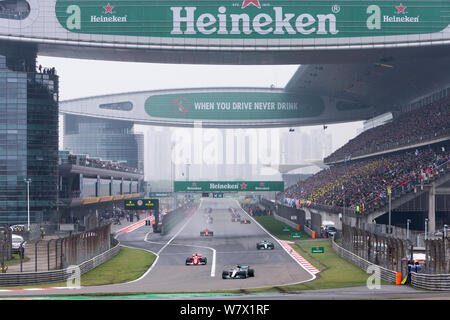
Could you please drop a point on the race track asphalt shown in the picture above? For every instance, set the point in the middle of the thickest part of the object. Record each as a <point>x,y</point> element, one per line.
<point>233,243</point>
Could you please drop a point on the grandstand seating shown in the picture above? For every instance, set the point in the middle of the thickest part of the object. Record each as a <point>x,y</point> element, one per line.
<point>365,182</point>
<point>423,124</point>
<point>95,163</point>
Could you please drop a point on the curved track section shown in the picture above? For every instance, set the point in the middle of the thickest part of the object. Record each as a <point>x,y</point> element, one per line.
<point>233,243</point>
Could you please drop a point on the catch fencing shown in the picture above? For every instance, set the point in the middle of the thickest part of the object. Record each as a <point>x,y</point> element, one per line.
<point>362,248</point>
<point>58,253</point>
<point>24,278</point>
<point>385,274</point>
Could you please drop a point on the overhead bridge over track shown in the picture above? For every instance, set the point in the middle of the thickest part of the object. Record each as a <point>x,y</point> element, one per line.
<point>359,59</point>
<point>243,32</point>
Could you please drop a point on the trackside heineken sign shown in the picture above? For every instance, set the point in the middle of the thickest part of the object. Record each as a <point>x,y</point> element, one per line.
<point>256,19</point>
<point>223,186</point>
<point>234,106</point>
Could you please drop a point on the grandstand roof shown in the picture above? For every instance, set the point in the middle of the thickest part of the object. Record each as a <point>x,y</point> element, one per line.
<point>383,85</point>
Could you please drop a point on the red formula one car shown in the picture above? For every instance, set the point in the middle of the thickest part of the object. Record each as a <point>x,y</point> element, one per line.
<point>196,259</point>
<point>245,220</point>
<point>206,233</point>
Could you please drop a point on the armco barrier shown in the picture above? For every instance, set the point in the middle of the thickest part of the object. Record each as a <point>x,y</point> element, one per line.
<point>385,274</point>
<point>431,281</point>
<point>15,279</point>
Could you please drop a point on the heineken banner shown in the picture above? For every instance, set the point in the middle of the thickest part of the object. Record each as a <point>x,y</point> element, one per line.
<point>223,186</point>
<point>254,19</point>
<point>234,106</point>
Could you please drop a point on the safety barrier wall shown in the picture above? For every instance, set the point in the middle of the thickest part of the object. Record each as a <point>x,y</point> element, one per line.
<point>284,220</point>
<point>15,279</point>
<point>172,218</point>
<point>431,281</point>
<point>385,274</point>
<point>308,231</point>
<point>294,215</point>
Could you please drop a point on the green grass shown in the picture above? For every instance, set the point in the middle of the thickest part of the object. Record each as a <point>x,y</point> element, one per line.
<point>275,227</point>
<point>16,260</point>
<point>129,264</point>
<point>335,271</point>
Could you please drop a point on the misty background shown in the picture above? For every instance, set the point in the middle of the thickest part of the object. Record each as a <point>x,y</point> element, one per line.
<point>292,145</point>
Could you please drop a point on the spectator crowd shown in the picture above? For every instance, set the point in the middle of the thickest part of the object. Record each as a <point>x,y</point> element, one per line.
<point>422,124</point>
<point>101,164</point>
<point>363,185</point>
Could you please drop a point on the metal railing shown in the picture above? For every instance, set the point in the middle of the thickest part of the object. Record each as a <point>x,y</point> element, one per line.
<point>431,281</point>
<point>385,274</point>
<point>59,252</point>
<point>16,279</point>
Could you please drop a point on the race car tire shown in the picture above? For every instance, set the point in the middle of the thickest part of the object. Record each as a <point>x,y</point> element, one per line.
<point>225,274</point>
<point>205,261</point>
<point>188,262</point>
<point>251,272</point>
<point>258,247</point>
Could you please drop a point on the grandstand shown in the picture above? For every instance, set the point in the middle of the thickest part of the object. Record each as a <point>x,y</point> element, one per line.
<point>423,124</point>
<point>410,151</point>
<point>101,164</point>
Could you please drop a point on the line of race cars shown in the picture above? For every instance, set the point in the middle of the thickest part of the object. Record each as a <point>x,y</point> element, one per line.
<point>235,272</point>
<point>236,217</point>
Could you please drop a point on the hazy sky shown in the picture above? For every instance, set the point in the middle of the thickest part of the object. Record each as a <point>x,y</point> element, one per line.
<point>84,78</point>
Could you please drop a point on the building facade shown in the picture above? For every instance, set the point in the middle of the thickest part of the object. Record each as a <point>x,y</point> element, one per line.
<point>28,137</point>
<point>107,139</point>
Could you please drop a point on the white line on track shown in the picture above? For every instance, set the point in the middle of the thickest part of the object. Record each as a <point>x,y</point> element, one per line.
<point>149,269</point>
<point>279,242</point>
<point>213,264</point>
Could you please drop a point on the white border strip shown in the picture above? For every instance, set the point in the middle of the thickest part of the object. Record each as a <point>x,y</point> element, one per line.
<point>279,242</point>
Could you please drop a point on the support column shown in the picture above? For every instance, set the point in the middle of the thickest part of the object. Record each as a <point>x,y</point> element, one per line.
<point>432,209</point>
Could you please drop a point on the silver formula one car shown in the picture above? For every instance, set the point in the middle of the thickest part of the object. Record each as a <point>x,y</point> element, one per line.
<point>265,245</point>
<point>238,272</point>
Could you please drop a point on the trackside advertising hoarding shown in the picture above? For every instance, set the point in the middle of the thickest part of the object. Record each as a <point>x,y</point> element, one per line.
<point>254,19</point>
<point>224,186</point>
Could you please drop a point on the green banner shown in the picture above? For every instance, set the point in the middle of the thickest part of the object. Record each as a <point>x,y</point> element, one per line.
<point>317,250</point>
<point>160,194</point>
<point>223,186</point>
<point>234,106</point>
<point>253,19</point>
